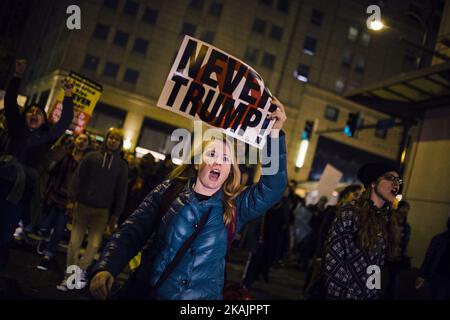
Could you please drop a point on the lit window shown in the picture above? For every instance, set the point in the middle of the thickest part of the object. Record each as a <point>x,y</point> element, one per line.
<point>347,58</point>
<point>331,113</point>
<point>302,73</point>
<point>340,85</point>
<point>352,33</point>
<point>360,64</point>
<point>309,45</point>
<point>365,39</point>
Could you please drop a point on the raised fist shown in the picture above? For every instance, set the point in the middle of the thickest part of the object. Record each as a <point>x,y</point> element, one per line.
<point>67,86</point>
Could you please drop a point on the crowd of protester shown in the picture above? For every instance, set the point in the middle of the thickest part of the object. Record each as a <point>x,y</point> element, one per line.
<point>50,180</point>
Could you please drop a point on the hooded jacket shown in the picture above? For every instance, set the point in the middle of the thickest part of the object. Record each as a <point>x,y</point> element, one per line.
<point>101,180</point>
<point>200,273</point>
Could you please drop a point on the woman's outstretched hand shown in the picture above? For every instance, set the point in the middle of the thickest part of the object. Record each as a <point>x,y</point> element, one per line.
<point>101,284</point>
<point>280,117</point>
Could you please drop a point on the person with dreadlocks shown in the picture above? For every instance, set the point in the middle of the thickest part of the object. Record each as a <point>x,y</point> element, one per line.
<point>363,233</point>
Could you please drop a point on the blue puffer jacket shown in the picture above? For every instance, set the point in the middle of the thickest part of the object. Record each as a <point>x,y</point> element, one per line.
<point>200,273</point>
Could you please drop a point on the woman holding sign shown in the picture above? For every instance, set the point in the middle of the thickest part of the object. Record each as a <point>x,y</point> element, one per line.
<point>195,216</point>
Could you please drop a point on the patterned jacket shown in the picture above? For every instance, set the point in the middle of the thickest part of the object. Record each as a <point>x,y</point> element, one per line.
<point>345,264</point>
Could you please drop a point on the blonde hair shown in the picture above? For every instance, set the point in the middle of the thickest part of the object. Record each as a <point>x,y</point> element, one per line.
<point>232,185</point>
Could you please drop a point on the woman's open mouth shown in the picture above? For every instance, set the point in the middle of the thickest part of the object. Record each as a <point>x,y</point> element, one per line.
<point>394,191</point>
<point>214,174</point>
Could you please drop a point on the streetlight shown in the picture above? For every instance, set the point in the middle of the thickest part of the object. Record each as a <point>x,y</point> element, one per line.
<point>376,25</point>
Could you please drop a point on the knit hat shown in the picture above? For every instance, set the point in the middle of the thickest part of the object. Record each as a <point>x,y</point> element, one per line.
<point>370,172</point>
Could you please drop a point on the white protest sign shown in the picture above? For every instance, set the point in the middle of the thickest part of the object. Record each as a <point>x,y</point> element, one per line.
<point>329,181</point>
<point>208,84</point>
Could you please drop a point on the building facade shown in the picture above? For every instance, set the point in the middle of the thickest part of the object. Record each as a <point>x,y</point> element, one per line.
<point>308,52</point>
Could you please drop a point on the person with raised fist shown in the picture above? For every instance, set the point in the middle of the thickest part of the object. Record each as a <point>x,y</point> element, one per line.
<point>29,136</point>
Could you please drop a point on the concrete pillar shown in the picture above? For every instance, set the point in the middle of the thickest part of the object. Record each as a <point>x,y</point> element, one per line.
<point>427,181</point>
<point>132,128</point>
<point>54,90</point>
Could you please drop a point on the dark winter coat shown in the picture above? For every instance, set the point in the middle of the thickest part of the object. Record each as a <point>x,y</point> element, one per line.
<point>101,180</point>
<point>25,145</point>
<point>434,256</point>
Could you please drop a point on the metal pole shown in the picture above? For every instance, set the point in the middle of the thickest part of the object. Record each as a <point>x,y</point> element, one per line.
<point>406,137</point>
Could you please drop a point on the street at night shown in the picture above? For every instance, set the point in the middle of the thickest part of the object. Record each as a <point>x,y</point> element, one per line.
<point>260,151</point>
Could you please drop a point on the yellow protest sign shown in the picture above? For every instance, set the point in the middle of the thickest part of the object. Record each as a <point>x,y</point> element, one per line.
<point>86,94</point>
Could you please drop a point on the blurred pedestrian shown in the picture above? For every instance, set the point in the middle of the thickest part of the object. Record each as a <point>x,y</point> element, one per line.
<point>396,264</point>
<point>361,236</point>
<point>435,269</point>
<point>302,231</point>
<point>314,286</point>
<point>54,223</point>
<point>98,186</point>
<point>349,194</point>
<point>270,234</point>
<point>140,185</point>
<point>308,245</point>
<point>29,138</point>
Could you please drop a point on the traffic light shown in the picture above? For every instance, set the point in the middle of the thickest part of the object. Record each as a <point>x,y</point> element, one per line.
<point>307,132</point>
<point>352,124</point>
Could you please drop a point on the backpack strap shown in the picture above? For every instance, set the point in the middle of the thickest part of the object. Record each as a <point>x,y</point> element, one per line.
<point>170,194</point>
<point>231,229</point>
<point>179,255</point>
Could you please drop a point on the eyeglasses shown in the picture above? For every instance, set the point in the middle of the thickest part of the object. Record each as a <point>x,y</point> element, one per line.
<point>390,177</point>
